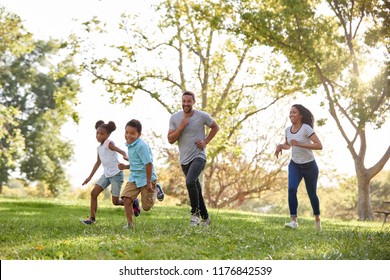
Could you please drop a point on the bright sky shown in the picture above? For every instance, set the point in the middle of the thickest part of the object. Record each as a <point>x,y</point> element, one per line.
<point>49,18</point>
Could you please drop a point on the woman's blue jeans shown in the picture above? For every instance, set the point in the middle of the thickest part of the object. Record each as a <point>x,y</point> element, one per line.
<point>192,172</point>
<point>309,172</point>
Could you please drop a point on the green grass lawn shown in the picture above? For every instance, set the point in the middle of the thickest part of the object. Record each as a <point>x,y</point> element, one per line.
<point>50,229</point>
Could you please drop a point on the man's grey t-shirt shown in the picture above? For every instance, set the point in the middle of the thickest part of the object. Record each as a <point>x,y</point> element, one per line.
<point>193,132</point>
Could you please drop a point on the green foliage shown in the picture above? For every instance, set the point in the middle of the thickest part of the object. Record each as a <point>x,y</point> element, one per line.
<point>327,49</point>
<point>12,33</point>
<point>11,142</point>
<point>38,82</point>
<point>49,229</point>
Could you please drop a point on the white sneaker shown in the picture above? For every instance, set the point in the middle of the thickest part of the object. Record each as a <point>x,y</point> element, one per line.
<point>292,224</point>
<point>317,225</point>
<point>195,220</point>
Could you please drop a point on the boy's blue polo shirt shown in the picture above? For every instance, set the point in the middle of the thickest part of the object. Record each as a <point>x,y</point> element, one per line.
<point>140,155</point>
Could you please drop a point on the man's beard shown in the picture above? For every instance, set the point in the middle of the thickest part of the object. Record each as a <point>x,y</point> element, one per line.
<point>187,109</point>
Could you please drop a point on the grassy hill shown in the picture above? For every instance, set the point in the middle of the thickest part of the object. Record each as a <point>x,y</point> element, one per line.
<point>50,229</point>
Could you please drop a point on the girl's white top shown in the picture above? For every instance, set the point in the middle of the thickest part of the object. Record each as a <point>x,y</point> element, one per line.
<point>109,159</point>
<point>298,154</point>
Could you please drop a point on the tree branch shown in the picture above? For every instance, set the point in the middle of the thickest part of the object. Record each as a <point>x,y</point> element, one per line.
<point>360,20</point>
<point>237,125</point>
<point>231,80</point>
<point>332,109</point>
<point>206,70</point>
<point>136,86</point>
<point>375,169</point>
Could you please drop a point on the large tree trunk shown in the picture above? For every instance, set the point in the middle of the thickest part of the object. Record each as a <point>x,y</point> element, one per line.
<point>364,208</point>
<point>364,177</point>
<point>1,188</point>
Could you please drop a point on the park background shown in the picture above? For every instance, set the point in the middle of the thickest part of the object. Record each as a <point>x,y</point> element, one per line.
<point>242,173</point>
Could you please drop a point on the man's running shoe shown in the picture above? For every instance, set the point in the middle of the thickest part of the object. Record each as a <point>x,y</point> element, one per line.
<point>205,222</point>
<point>194,220</point>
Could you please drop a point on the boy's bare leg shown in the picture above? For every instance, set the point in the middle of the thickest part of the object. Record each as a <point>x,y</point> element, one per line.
<point>128,203</point>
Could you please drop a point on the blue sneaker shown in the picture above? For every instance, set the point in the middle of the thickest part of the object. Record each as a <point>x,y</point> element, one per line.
<point>160,193</point>
<point>136,208</point>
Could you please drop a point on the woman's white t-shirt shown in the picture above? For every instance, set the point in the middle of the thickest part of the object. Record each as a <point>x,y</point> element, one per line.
<point>109,159</point>
<point>298,154</point>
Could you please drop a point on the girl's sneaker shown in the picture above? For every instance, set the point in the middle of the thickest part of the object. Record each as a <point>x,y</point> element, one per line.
<point>292,224</point>
<point>136,208</point>
<point>89,221</point>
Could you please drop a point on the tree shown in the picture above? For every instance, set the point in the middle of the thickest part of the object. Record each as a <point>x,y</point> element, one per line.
<point>191,47</point>
<point>332,49</point>
<point>37,79</point>
<point>11,143</point>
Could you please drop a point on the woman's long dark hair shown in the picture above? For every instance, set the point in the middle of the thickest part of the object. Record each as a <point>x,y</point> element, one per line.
<point>307,116</point>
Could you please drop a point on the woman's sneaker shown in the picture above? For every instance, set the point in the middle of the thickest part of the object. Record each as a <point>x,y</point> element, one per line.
<point>292,224</point>
<point>160,193</point>
<point>89,221</point>
<point>317,225</point>
<point>136,208</point>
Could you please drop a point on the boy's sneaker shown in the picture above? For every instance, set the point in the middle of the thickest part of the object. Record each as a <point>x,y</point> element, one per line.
<point>160,193</point>
<point>128,226</point>
<point>195,220</point>
<point>89,221</point>
<point>136,208</point>
<point>292,224</point>
<point>317,225</point>
<point>205,222</point>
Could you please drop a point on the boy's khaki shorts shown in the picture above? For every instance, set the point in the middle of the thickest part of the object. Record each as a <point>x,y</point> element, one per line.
<point>148,198</point>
